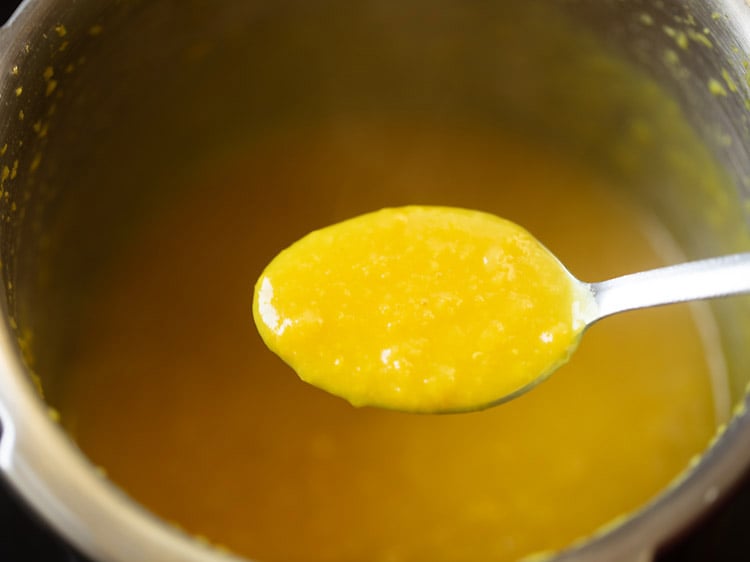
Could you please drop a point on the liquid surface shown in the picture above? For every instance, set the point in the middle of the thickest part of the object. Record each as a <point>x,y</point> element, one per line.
<point>420,309</point>
<point>177,397</point>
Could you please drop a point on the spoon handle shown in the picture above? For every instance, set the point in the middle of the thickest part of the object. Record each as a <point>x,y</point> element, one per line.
<point>704,279</point>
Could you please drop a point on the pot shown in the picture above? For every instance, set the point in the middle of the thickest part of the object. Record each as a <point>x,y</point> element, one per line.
<point>100,103</point>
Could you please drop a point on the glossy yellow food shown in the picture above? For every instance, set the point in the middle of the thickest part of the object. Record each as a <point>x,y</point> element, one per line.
<point>422,309</point>
<point>173,393</point>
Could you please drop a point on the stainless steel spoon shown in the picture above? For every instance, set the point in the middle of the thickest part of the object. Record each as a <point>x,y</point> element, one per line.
<point>704,279</point>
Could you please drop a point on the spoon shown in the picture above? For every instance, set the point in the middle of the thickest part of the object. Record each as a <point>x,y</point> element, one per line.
<point>697,280</point>
<point>444,310</point>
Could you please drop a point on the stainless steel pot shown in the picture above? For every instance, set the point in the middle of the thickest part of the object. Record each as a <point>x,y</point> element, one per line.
<point>101,103</point>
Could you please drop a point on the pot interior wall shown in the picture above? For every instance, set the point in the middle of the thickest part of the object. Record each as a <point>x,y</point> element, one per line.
<point>122,103</point>
<point>113,108</point>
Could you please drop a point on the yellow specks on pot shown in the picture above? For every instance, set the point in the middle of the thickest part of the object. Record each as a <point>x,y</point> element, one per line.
<point>715,16</point>
<point>14,170</point>
<point>49,72</point>
<point>14,70</point>
<point>693,462</point>
<point>35,162</point>
<point>700,37</point>
<point>21,115</point>
<point>671,60</point>
<point>683,37</point>
<point>680,37</point>
<point>205,541</point>
<point>688,20</point>
<point>95,30</point>
<point>716,87</point>
<point>671,57</point>
<point>60,30</point>
<point>24,340</point>
<point>715,439</point>
<point>40,128</point>
<point>19,91</point>
<point>53,414</point>
<point>731,84</point>
<point>646,19</point>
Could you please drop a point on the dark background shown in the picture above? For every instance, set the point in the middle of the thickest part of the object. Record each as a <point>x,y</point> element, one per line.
<point>723,536</point>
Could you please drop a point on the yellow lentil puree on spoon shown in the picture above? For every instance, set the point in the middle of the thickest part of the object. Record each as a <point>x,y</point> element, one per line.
<point>421,309</point>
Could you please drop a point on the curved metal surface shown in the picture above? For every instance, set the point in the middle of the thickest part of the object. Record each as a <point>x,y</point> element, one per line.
<point>705,279</point>
<point>37,457</point>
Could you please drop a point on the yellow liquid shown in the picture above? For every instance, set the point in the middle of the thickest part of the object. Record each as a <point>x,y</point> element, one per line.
<point>176,396</point>
<point>420,309</point>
